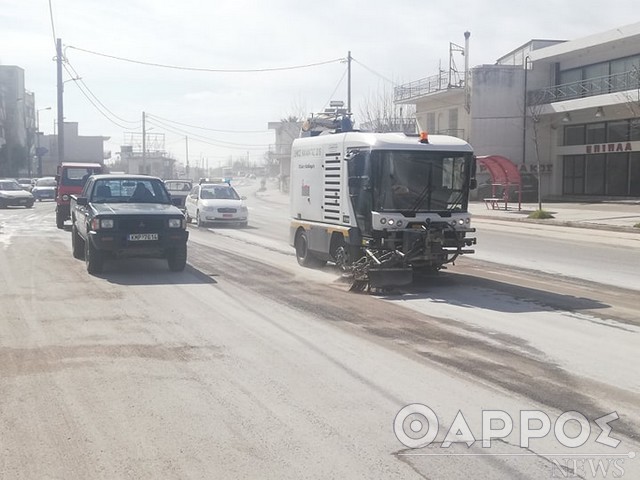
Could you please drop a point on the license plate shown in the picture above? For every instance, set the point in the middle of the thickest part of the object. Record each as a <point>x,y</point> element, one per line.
<point>142,237</point>
<point>23,201</point>
<point>227,215</point>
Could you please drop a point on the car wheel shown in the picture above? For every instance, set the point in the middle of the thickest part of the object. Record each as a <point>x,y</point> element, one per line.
<point>77,244</point>
<point>59,221</point>
<point>201,223</point>
<point>30,205</point>
<point>177,258</point>
<point>303,255</point>
<point>244,224</point>
<point>93,258</point>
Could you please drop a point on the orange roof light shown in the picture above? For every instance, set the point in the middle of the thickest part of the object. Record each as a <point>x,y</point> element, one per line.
<point>424,137</point>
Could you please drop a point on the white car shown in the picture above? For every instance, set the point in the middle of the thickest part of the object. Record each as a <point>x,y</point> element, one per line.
<point>44,188</point>
<point>12,194</point>
<point>216,204</point>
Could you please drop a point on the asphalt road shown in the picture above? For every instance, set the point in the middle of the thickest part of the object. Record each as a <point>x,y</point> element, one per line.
<point>249,366</point>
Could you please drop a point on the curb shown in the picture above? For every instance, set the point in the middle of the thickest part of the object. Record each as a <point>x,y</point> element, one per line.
<point>561,223</point>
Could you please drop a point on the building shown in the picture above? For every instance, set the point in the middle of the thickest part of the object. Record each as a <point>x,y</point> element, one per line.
<point>17,123</point>
<point>565,110</point>
<point>77,148</point>
<point>286,132</point>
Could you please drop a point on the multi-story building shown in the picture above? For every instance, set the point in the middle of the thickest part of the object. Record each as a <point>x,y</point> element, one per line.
<point>17,123</point>
<point>568,111</point>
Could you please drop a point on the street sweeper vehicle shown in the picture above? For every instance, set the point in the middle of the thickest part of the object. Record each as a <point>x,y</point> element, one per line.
<point>381,206</point>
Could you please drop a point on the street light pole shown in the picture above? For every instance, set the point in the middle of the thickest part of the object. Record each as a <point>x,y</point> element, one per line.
<point>38,154</point>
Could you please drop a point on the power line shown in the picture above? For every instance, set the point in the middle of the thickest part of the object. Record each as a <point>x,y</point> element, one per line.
<point>374,72</point>
<point>202,69</point>
<point>206,128</point>
<point>92,102</point>
<point>79,78</point>
<point>336,89</point>
<point>53,28</point>
<point>203,139</point>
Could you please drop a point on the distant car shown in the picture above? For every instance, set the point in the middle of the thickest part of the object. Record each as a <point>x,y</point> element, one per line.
<point>44,189</point>
<point>26,183</point>
<point>217,203</point>
<point>12,194</point>
<point>179,189</point>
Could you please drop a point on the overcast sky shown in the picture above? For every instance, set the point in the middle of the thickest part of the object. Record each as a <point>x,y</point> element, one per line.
<point>391,40</point>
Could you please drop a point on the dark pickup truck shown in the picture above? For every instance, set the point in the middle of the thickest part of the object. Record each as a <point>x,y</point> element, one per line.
<point>119,216</point>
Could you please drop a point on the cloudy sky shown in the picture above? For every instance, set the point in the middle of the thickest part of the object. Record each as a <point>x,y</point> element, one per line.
<point>391,41</point>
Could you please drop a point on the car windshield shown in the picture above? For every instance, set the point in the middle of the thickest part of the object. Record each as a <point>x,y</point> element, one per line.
<point>46,182</point>
<point>118,190</point>
<point>176,186</point>
<point>219,192</point>
<point>9,185</point>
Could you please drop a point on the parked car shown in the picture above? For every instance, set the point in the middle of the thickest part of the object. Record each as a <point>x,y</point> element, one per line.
<point>217,203</point>
<point>179,189</point>
<point>44,189</point>
<point>121,216</point>
<point>12,194</point>
<point>26,183</point>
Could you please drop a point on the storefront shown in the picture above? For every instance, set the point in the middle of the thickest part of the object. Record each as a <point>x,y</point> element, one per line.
<point>601,159</point>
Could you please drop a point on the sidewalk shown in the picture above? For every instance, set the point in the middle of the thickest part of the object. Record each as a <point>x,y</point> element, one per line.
<point>605,215</point>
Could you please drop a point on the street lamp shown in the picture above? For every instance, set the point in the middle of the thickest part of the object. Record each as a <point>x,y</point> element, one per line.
<point>38,152</point>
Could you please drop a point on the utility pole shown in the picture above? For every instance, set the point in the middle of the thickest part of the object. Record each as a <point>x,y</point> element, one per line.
<point>144,144</point>
<point>186,145</point>
<point>60,101</point>
<point>349,82</point>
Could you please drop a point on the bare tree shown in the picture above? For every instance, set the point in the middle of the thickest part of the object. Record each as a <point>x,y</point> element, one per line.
<point>379,113</point>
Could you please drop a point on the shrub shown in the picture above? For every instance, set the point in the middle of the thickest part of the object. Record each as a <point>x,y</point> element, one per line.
<point>540,214</point>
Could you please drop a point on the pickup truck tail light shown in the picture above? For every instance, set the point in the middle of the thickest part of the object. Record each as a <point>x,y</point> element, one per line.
<point>101,223</point>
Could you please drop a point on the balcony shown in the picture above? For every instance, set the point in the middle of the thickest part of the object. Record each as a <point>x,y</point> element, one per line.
<point>425,86</point>
<point>618,82</point>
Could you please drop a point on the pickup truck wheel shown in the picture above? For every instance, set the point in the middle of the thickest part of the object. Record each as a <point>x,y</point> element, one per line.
<point>93,258</point>
<point>77,244</point>
<point>177,258</point>
<point>59,221</point>
<point>303,255</point>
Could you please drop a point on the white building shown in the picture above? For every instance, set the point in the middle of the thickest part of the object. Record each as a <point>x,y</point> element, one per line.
<point>569,109</point>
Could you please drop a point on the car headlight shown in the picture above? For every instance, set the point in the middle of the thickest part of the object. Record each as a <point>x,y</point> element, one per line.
<point>175,222</point>
<point>243,209</point>
<point>209,209</point>
<point>65,197</point>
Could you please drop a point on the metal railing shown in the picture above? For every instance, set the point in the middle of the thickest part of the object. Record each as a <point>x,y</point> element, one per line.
<point>424,86</point>
<point>617,82</point>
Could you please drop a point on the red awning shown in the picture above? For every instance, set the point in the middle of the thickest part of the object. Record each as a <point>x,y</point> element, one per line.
<point>503,173</point>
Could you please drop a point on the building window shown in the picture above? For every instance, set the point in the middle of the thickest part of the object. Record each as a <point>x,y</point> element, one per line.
<point>453,120</point>
<point>431,122</point>
<point>618,131</point>
<point>594,175</point>
<point>573,175</point>
<point>617,174</point>
<point>596,133</point>
<point>634,130</point>
<point>634,174</point>
<point>574,135</point>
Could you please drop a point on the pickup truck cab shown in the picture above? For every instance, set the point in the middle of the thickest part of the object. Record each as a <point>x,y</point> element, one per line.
<point>119,216</point>
<point>71,178</point>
